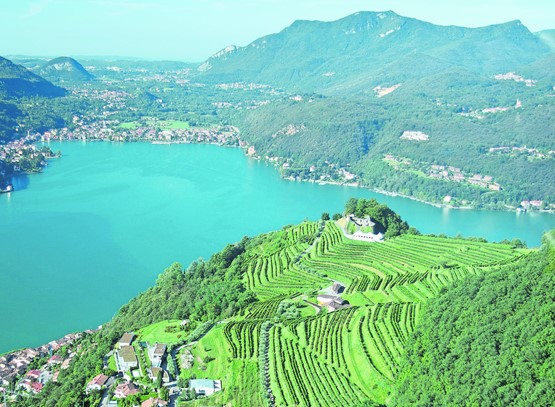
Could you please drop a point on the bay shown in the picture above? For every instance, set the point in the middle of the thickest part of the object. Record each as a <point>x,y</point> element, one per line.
<point>99,225</point>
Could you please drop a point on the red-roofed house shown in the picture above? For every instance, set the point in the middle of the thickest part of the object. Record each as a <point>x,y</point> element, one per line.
<point>154,402</point>
<point>55,360</point>
<point>97,382</point>
<point>124,390</point>
<point>33,374</point>
<point>36,387</point>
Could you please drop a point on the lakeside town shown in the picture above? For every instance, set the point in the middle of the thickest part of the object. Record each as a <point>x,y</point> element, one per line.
<point>26,371</point>
<point>22,156</point>
<point>454,174</point>
<point>135,372</point>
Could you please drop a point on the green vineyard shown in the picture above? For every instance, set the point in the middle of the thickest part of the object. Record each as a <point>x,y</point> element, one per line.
<point>352,354</point>
<point>274,270</point>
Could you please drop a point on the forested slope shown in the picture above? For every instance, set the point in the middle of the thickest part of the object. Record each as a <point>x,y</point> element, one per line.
<point>488,341</point>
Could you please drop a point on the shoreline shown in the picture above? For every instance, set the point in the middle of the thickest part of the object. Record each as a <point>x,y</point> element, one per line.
<point>246,147</point>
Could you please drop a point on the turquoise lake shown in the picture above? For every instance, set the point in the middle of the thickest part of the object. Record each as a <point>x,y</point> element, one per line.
<point>99,225</point>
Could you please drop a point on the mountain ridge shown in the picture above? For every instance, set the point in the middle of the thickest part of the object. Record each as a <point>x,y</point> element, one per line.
<point>17,81</point>
<point>64,69</point>
<point>316,55</point>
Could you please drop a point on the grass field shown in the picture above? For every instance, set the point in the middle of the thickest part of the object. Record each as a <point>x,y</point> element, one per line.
<point>157,333</point>
<point>213,360</point>
<point>112,363</point>
<point>335,358</point>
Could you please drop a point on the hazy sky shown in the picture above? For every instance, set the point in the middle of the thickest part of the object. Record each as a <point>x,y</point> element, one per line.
<point>192,30</point>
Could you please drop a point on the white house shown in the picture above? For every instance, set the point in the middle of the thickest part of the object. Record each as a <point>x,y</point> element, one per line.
<point>205,387</point>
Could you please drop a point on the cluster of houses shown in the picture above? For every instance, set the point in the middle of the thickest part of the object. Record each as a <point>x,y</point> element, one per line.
<point>128,364</point>
<point>109,130</point>
<point>522,151</point>
<point>444,172</point>
<point>20,155</point>
<point>14,367</point>
<point>455,174</point>
<point>512,76</point>
<point>533,204</point>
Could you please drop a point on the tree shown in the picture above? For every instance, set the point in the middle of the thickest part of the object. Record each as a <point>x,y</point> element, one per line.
<point>164,393</point>
<point>159,379</point>
<point>337,216</point>
<point>325,216</point>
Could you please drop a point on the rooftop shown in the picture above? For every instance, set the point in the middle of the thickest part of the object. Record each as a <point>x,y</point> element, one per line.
<point>201,384</point>
<point>127,338</point>
<point>127,353</point>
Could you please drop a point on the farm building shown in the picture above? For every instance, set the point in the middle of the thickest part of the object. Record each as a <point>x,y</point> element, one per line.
<point>365,222</point>
<point>325,299</point>
<point>205,387</point>
<point>337,288</point>
<point>366,229</point>
<point>331,302</point>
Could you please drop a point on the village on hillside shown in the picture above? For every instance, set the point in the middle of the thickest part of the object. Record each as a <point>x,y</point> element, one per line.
<point>25,372</point>
<point>135,372</point>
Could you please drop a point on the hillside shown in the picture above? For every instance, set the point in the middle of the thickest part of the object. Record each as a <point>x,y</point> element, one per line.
<point>292,305</point>
<point>482,98</point>
<point>353,52</point>
<point>487,341</point>
<point>463,122</point>
<point>64,69</point>
<point>548,37</point>
<point>16,81</point>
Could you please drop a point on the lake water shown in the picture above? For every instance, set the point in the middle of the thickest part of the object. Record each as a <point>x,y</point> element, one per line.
<point>99,225</point>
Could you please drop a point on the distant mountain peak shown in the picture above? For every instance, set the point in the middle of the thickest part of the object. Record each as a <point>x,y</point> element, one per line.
<point>65,69</point>
<point>363,50</point>
<point>17,81</point>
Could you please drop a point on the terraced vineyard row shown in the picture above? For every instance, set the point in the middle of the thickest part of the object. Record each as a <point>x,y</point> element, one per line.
<point>275,272</point>
<point>265,309</point>
<point>323,334</point>
<point>403,261</point>
<point>350,355</point>
<point>300,378</point>
<point>242,337</point>
<point>359,345</point>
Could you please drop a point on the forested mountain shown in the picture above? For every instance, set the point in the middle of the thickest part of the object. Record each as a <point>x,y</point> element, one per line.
<point>367,49</point>
<point>363,89</point>
<point>64,69</point>
<point>17,81</point>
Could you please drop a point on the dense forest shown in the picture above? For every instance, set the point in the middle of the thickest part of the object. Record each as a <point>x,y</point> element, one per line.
<point>488,340</point>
